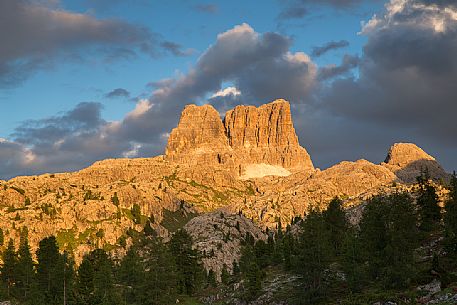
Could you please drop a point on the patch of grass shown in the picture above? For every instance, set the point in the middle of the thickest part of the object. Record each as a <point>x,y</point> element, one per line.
<point>250,190</point>
<point>175,220</point>
<point>13,209</point>
<point>86,235</point>
<point>18,189</point>
<point>66,239</point>
<point>187,300</point>
<point>170,179</point>
<point>48,209</point>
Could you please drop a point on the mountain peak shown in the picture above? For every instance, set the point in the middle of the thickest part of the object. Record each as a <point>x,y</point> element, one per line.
<point>248,136</point>
<point>404,153</point>
<point>407,161</point>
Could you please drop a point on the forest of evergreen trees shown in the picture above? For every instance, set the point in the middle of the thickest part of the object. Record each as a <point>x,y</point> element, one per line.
<point>329,255</point>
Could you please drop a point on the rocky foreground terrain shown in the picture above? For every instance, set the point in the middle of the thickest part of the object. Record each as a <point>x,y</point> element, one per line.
<point>250,163</point>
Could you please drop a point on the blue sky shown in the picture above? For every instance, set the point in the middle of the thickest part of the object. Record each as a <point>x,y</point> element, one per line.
<point>78,66</point>
<point>65,84</point>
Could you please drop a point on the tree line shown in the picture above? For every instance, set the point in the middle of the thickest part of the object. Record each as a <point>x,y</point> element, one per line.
<point>332,256</point>
<point>323,249</point>
<point>151,272</point>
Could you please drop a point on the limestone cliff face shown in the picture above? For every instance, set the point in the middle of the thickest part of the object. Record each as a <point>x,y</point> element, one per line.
<point>266,135</point>
<point>407,160</point>
<point>199,138</point>
<point>249,137</point>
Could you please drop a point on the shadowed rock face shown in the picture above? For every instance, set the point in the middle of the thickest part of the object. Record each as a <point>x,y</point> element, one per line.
<point>248,136</point>
<point>407,160</point>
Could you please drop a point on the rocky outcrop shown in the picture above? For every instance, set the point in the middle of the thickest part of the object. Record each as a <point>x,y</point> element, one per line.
<point>218,237</point>
<point>266,135</point>
<point>199,138</point>
<point>407,161</point>
<point>252,141</point>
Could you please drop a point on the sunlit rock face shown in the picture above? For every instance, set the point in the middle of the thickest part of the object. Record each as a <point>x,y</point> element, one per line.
<point>254,141</point>
<point>266,135</point>
<point>407,161</point>
<point>199,138</point>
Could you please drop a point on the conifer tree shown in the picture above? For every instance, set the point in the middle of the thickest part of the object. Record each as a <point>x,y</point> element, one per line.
<point>24,270</point>
<point>427,200</point>
<point>450,218</point>
<point>225,275</point>
<point>250,272</point>
<point>389,236</point>
<point>353,261</point>
<point>85,282</point>
<point>314,254</point>
<point>287,250</point>
<point>336,224</point>
<point>8,275</point>
<point>131,275</point>
<point>160,285</point>
<point>211,278</point>
<point>48,277</point>
<point>190,272</point>
<point>53,272</point>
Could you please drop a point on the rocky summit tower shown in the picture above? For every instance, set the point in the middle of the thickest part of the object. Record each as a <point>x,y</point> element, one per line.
<point>254,141</point>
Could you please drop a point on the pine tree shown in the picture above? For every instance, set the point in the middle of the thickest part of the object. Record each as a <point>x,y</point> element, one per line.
<point>262,254</point>
<point>24,269</point>
<point>131,275</point>
<point>251,273</point>
<point>450,218</point>
<point>136,213</point>
<point>160,285</point>
<point>104,292</point>
<point>353,261</point>
<point>389,236</point>
<point>287,249</point>
<point>66,265</point>
<point>211,278</point>
<point>314,256</point>
<point>225,275</point>
<point>427,200</point>
<point>85,282</point>
<point>8,275</point>
<point>336,224</point>
<point>51,270</point>
<point>236,270</point>
<point>190,272</point>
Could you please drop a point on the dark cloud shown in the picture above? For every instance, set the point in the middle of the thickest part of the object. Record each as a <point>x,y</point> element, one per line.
<point>118,92</point>
<point>16,160</point>
<point>68,141</point>
<point>175,48</point>
<point>334,3</point>
<point>206,8</point>
<point>348,63</point>
<point>293,12</point>
<point>251,61</point>
<point>85,117</point>
<point>34,34</point>
<point>441,3</point>
<point>406,79</point>
<point>332,45</point>
<point>296,9</point>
